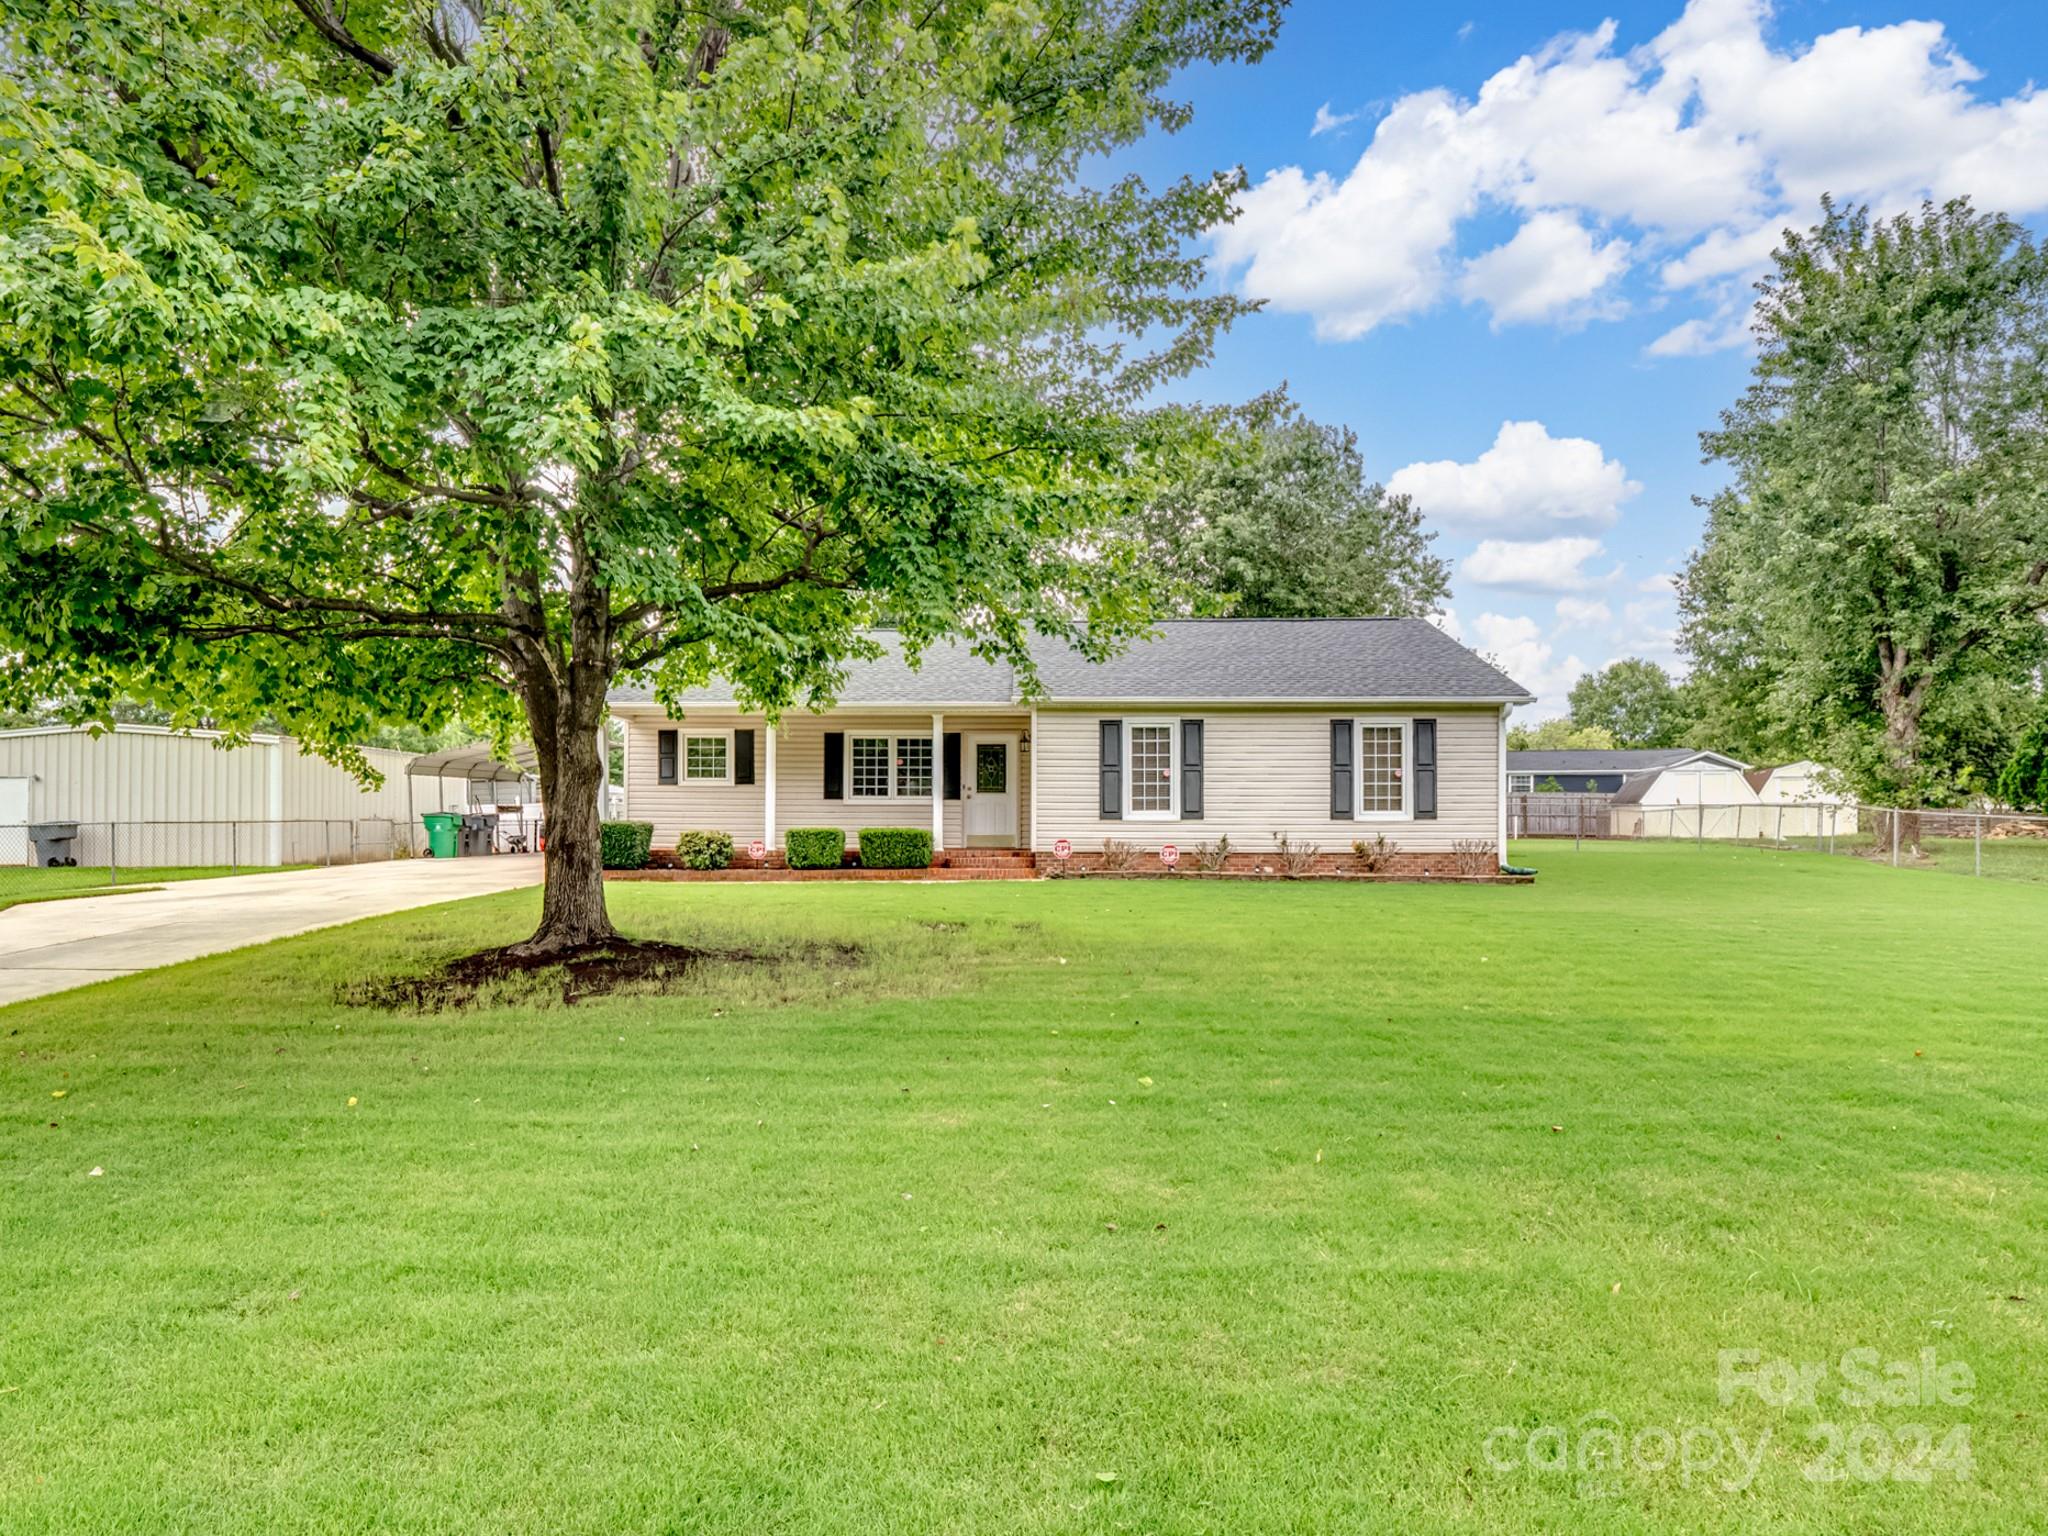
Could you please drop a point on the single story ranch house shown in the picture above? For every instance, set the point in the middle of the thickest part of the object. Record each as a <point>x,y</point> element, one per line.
<point>1324,731</point>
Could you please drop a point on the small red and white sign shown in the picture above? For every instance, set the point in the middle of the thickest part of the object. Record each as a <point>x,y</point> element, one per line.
<point>1062,849</point>
<point>757,850</point>
<point>1169,855</point>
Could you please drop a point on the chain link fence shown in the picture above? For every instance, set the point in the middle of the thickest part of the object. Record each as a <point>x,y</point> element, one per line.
<point>1984,844</point>
<point>59,857</point>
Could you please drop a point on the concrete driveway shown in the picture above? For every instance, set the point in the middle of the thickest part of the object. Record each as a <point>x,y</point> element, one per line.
<point>47,946</point>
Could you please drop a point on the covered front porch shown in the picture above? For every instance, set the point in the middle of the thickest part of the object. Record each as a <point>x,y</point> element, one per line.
<point>965,774</point>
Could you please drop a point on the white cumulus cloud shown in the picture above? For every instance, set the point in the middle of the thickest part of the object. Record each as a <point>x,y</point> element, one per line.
<point>1551,270</point>
<point>1518,647</point>
<point>1527,482</point>
<point>1538,565</point>
<point>1704,141</point>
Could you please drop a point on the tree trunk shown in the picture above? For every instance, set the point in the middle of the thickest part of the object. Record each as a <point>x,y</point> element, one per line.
<point>573,774</point>
<point>1902,705</point>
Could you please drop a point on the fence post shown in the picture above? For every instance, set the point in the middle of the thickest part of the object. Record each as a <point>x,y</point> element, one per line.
<point>1978,823</point>
<point>113,854</point>
<point>234,848</point>
<point>1895,837</point>
<point>354,856</point>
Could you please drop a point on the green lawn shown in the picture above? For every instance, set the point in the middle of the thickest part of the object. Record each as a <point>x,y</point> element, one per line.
<point>1116,1207</point>
<point>30,884</point>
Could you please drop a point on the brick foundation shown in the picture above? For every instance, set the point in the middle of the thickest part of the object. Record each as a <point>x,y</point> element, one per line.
<point>1400,866</point>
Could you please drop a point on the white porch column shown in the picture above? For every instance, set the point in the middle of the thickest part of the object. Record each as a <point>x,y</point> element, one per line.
<point>939,781</point>
<point>768,793</point>
<point>1031,760</point>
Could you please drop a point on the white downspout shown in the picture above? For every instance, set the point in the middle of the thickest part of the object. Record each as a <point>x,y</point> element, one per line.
<point>939,782</point>
<point>1500,782</point>
<point>768,795</point>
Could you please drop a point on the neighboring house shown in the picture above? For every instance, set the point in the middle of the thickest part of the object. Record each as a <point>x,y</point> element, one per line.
<point>1602,772</point>
<point>1804,807</point>
<point>176,794</point>
<point>1321,730</point>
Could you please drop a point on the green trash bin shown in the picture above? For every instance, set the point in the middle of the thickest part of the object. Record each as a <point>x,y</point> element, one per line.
<point>443,830</point>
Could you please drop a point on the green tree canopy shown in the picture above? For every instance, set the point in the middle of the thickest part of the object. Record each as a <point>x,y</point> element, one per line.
<point>1560,734</point>
<point>1281,523</point>
<point>1876,569</point>
<point>402,362</point>
<point>1634,701</point>
<point>2023,781</point>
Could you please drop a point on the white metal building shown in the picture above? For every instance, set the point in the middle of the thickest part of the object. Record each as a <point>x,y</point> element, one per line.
<point>182,797</point>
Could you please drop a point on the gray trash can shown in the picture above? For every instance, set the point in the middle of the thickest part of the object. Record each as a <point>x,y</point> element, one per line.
<point>53,844</point>
<point>479,833</point>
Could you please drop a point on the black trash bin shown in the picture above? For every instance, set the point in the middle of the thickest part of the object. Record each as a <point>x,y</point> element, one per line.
<point>53,841</point>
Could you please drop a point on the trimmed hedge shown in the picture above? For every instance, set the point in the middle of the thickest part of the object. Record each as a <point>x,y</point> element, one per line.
<point>895,847</point>
<point>814,847</point>
<point>704,850</point>
<point>624,844</point>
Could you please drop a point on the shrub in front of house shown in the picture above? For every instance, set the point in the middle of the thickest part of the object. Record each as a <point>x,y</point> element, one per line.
<point>895,848</point>
<point>704,850</point>
<point>624,844</point>
<point>814,847</point>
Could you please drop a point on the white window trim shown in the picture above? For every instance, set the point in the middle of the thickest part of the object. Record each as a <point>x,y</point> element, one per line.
<point>684,737</point>
<point>894,738</point>
<point>1358,730</point>
<point>1521,783</point>
<point>1172,726</point>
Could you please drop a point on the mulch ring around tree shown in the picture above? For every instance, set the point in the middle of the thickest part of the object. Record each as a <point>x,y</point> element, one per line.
<point>505,976</point>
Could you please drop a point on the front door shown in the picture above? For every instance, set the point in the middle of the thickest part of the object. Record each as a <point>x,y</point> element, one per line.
<point>991,791</point>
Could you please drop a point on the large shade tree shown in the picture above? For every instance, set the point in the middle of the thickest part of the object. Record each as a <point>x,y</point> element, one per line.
<point>1872,585</point>
<point>1635,701</point>
<point>1278,521</point>
<point>414,357</point>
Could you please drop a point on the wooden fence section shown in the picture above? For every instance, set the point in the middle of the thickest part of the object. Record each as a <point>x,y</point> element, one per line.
<point>1560,815</point>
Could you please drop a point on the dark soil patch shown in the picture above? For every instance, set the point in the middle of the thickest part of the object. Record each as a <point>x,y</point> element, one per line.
<point>598,970</point>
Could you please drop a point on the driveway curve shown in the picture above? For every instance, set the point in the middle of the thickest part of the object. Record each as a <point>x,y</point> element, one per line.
<point>49,946</point>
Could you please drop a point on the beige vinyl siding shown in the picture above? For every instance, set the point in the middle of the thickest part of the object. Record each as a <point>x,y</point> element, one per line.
<point>800,778</point>
<point>1267,771</point>
<point>685,806</point>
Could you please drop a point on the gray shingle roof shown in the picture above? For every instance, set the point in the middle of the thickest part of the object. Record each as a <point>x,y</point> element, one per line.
<point>1189,661</point>
<point>1623,760</point>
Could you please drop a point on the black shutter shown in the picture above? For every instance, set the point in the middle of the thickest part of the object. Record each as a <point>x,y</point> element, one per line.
<point>1112,760</point>
<point>835,765</point>
<point>950,751</point>
<point>1191,770</point>
<point>665,756</point>
<point>743,757</point>
<point>1424,747</point>
<point>1341,797</point>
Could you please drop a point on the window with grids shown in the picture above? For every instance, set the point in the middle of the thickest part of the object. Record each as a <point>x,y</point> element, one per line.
<point>913,765</point>
<point>1151,770</point>
<point>867,767</point>
<point>706,757</point>
<point>1380,759</point>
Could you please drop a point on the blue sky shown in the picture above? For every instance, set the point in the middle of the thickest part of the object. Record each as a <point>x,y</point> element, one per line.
<point>1518,255</point>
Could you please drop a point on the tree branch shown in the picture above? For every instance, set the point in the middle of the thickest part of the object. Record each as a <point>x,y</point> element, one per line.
<point>331,27</point>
